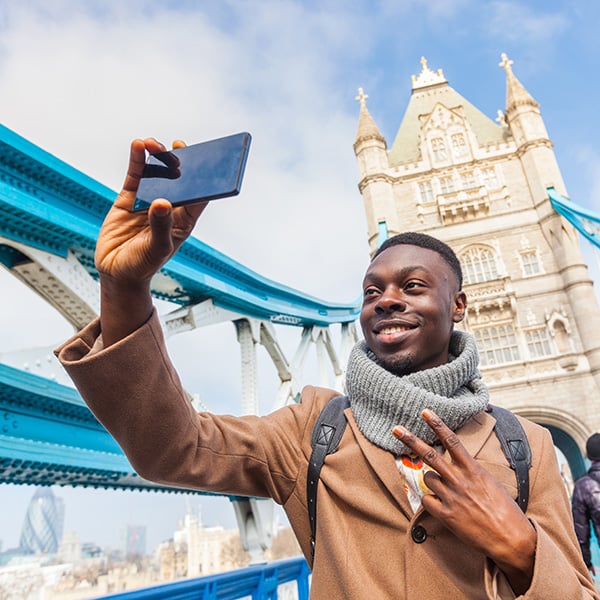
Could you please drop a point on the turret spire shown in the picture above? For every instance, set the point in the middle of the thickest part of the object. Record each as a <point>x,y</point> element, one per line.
<point>366,126</point>
<point>516,94</point>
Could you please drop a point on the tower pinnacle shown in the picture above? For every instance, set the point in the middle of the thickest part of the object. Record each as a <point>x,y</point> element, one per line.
<point>516,94</point>
<point>366,126</point>
<point>506,63</point>
<point>362,98</point>
<point>427,77</point>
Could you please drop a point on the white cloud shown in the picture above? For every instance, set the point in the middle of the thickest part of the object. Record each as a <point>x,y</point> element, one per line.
<point>517,22</point>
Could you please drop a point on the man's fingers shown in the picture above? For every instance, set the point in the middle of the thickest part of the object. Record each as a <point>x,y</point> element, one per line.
<point>137,162</point>
<point>447,437</point>
<point>160,216</point>
<point>420,448</point>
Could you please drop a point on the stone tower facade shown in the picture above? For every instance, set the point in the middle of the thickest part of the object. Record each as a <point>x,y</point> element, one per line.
<point>481,186</point>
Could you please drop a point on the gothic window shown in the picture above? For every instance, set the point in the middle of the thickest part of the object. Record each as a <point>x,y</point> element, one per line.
<point>467,180</point>
<point>459,145</point>
<point>426,191</point>
<point>479,264</point>
<point>489,178</point>
<point>446,185</point>
<point>530,263</point>
<point>438,148</point>
<point>497,345</point>
<point>538,342</point>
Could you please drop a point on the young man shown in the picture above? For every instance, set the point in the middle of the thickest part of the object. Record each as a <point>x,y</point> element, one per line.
<point>586,501</point>
<point>386,527</point>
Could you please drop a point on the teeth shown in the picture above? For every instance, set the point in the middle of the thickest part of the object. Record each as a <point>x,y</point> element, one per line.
<point>394,329</point>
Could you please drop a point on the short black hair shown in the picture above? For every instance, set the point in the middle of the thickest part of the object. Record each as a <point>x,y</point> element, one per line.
<point>422,240</point>
<point>592,447</point>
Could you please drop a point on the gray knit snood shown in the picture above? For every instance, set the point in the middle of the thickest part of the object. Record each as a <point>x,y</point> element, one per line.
<point>381,400</point>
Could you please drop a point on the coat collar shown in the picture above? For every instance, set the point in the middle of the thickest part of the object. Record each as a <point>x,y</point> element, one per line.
<point>473,434</point>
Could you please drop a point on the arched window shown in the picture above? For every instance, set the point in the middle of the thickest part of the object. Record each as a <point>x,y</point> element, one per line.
<point>459,145</point>
<point>538,342</point>
<point>479,264</point>
<point>438,148</point>
<point>497,345</point>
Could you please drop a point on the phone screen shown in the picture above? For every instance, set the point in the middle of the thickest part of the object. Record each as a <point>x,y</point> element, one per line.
<point>205,171</point>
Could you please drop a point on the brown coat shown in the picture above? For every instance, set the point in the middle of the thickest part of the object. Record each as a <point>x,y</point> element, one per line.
<point>365,547</point>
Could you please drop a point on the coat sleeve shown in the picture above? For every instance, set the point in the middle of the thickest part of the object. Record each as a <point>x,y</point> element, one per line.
<point>134,391</point>
<point>581,519</point>
<point>559,570</point>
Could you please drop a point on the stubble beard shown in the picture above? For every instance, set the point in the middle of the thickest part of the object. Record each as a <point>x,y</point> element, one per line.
<point>397,365</point>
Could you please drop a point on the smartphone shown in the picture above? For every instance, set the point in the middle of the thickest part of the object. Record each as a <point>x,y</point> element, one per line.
<point>205,171</point>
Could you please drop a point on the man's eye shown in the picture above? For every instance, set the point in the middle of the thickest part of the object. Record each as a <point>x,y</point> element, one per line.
<point>412,285</point>
<point>370,292</point>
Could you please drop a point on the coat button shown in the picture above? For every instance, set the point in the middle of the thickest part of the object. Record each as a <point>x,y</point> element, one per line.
<point>418,534</point>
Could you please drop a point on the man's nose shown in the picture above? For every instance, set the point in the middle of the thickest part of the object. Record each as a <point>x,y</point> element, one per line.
<point>391,300</point>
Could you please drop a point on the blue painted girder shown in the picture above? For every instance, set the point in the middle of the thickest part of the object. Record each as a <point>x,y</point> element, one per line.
<point>48,436</point>
<point>584,220</point>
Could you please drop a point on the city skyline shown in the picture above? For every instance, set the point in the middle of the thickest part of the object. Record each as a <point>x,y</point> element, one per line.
<point>145,511</point>
<point>81,80</point>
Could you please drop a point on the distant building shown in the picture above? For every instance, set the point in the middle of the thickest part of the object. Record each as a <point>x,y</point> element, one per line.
<point>69,550</point>
<point>43,526</point>
<point>135,541</point>
<point>91,550</point>
<point>197,550</point>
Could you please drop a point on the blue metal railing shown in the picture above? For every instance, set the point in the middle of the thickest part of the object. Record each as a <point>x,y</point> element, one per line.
<point>257,582</point>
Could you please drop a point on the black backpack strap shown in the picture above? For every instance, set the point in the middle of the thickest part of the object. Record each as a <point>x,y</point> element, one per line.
<point>326,435</point>
<point>515,446</point>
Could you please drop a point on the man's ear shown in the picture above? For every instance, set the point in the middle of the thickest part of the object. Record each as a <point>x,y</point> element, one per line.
<point>460,306</point>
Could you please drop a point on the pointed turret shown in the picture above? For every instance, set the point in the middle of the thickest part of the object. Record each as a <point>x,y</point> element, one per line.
<point>367,129</point>
<point>370,146</point>
<point>522,112</point>
<point>375,184</point>
<point>516,94</point>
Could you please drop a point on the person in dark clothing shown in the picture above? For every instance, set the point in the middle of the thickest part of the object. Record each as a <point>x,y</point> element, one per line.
<point>586,501</point>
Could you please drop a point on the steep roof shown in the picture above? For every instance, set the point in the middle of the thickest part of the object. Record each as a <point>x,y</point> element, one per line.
<point>429,89</point>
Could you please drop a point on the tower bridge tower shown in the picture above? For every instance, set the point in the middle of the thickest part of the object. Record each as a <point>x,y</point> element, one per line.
<point>482,186</point>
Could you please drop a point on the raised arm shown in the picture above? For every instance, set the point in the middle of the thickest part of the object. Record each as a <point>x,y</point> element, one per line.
<point>133,246</point>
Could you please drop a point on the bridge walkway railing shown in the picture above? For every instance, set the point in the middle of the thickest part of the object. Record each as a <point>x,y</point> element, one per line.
<point>267,581</point>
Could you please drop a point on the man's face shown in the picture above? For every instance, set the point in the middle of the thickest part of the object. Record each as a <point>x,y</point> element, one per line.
<point>411,301</point>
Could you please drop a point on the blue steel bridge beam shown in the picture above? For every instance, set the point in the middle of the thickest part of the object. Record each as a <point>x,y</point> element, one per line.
<point>585,221</point>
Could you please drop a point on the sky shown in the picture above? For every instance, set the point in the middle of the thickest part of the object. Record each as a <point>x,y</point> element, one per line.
<point>82,79</point>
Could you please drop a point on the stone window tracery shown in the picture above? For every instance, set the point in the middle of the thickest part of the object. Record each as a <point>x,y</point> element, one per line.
<point>467,180</point>
<point>479,264</point>
<point>438,148</point>
<point>538,342</point>
<point>446,185</point>
<point>426,191</point>
<point>530,263</point>
<point>489,178</point>
<point>497,344</point>
<point>459,145</point>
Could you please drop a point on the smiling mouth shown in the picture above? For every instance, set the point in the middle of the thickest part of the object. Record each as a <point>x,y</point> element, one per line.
<point>394,329</point>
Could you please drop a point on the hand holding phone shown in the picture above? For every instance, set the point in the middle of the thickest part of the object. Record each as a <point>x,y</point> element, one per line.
<point>205,171</point>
